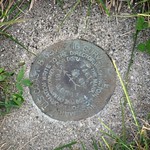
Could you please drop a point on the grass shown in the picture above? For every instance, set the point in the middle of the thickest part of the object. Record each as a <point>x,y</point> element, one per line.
<point>11,90</point>
<point>69,13</point>
<point>140,137</point>
<point>11,95</point>
<point>11,86</point>
<point>69,145</point>
<point>10,11</point>
<point>10,14</point>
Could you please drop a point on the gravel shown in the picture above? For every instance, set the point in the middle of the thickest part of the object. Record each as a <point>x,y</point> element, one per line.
<point>28,128</point>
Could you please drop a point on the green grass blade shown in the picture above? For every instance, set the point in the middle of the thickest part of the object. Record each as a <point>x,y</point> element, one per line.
<point>146,14</point>
<point>66,146</point>
<point>144,139</point>
<point>116,138</point>
<point>60,3</point>
<point>142,1</point>
<point>123,121</point>
<point>129,4</point>
<point>104,6</point>
<point>8,105</point>
<point>109,135</point>
<point>100,145</point>
<point>131,146</point>
<point>126,95</point>
<point>8,6</point>
<point>68,14</point>
<point>13,39</point>
<point>94,144</point>
<point>26,82</point>
<point>12,22</point>
<point>13,8</point>
<point>16,41</point>
<point>83,146</point>
<point>88,12</point>
<point>89,8</point>
<point>21,10</point>
<point>16,15</point>
<point>2,70</point>
<point>113,135</point>
<point>20,75</point>
<point>146,143</point>
<point>106,143</point>
<point>19,88</point>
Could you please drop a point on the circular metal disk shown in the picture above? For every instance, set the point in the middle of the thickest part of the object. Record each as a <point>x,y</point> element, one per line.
<point>72,80</point>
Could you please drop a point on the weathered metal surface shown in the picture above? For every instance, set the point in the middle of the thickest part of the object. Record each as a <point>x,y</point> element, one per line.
<point>72,80</point>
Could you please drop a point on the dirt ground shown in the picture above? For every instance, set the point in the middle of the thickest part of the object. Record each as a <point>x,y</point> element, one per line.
<point>28,128</point>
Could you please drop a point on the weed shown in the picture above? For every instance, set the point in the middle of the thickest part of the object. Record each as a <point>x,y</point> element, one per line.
<point>144,47</point>
<point>141,138</point>
<point>10,12</point>
<point>142,25</point>
<point>11,93</point>
<point>60,3</point>
<point>139,141</point>
<point>103,6</point>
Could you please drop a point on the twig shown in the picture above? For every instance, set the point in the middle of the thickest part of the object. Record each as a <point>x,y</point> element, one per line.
<point>2,145</point>
<point>31,4</point>
<point>2,123</point>
<point>134,15</point>
<point>127,33</point>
